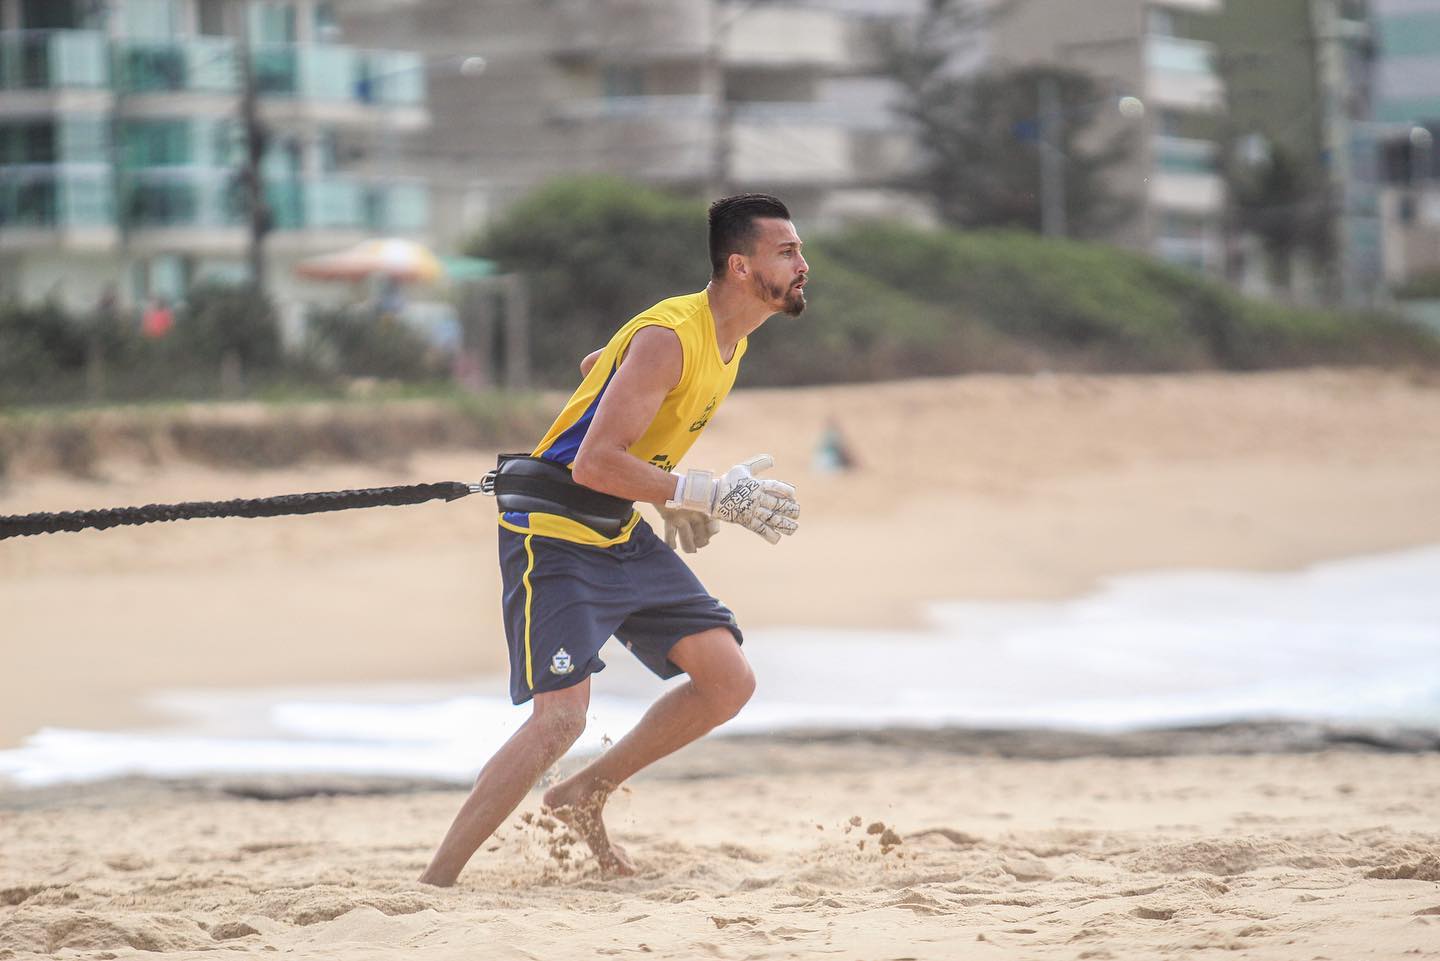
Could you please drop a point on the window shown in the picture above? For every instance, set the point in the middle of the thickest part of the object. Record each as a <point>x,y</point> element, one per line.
<point>622,81</point>
<point>87,201</point>
<point>162,203</point>
<point>169,274</point>
<point>211,21</point>
<point>152,19</point>
<point>51,15</point>
<point>283,160</point>
<point>35,203</point>
<point>28,143</point>
<point>84,140</point>
<point>227,143</point>
<point>157,143</point>
<point>327,27</point>
<point>39,145</point>
<point>272,23</point>
<point>328,146</point>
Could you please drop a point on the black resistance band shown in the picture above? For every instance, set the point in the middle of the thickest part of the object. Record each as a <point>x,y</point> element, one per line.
<point>24,525</point>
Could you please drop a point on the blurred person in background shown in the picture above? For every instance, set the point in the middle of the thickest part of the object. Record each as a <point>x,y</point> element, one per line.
<point>158,319</point>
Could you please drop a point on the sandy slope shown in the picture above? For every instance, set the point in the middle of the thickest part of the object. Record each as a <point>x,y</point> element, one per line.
<point>756,851</point>
<point>975,487</point>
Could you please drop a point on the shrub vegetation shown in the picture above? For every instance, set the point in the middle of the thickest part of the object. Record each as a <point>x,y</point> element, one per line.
<point>890,300</point>
<point>887,301</point>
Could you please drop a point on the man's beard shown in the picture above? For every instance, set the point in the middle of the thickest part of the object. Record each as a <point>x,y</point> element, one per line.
<point>793,299</point>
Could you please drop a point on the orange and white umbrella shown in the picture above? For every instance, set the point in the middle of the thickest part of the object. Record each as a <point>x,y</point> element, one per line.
<point>401,260</point>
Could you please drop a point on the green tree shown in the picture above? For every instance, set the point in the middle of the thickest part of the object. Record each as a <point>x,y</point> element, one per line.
<point>42,350</point>
<point>1285,203</point>
<point>980,133</point>
<point>595,251</point>
<point>888,300</point>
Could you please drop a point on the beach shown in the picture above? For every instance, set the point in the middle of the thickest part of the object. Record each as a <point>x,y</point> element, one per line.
<point>995,489</point>
<point>1003,488</point>
<point>746,850</point>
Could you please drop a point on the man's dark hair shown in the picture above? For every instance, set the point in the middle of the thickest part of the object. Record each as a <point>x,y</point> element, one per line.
<point>732,225</point>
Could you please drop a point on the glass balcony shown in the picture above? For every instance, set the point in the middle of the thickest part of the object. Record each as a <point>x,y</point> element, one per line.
<point>331,204</point>
<point>53,60</point>
<point>398,208</point>
<point>208,142</point>
<point>328,73</point>
<point>338,203</point>
<point>331,73</point>
<point>183,197</point>
<point>390,77</point>
<point>208,198</point>
<point>277,69</point>
<point>812,113</point>
<point>56,197</point>
<point>57,59</point>
<point>1413,34</point>
<point>200,64</point>
<point>1184,156</point>
<point>644,107</point>
<point>1180,55</point>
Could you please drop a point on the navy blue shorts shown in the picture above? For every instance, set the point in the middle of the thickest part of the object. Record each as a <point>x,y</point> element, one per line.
<point>563,601</point>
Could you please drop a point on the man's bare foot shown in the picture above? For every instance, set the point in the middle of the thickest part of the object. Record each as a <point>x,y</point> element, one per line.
<point>580,806</point>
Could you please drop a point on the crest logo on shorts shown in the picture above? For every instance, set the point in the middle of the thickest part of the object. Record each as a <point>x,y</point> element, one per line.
<point>561,662</point>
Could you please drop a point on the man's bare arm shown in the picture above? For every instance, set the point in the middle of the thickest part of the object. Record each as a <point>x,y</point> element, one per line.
<point>589,361</point>
<point>651,367</point>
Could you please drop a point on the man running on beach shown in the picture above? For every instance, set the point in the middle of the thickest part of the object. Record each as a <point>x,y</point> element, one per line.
<point>579,564</point>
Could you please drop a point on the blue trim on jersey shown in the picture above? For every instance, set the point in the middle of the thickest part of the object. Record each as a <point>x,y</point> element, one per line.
<point>517,518</point>
<point>567,445</point>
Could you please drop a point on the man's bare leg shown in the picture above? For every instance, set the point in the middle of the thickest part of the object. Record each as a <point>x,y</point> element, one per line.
<point>556,720</point>
<point>720,683</point>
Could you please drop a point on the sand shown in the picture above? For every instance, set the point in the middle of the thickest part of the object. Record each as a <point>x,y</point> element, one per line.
<point>985,487</point>
<point>758,851</point>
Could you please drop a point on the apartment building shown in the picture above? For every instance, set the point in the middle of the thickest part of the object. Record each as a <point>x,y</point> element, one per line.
<point>122,142</point>
<point>788,96</point>
<point>1407,110</point>
<point>1148,50</point>
<point>702,96</point>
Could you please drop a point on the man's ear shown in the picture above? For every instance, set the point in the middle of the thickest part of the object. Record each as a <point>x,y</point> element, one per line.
<point>738,265</point>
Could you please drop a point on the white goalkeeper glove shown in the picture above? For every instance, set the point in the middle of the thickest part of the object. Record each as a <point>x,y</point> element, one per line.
<point>691,529</point>
<point>767,507</point>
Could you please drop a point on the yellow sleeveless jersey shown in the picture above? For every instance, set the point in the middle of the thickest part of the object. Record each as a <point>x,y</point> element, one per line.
<point>705,380</point>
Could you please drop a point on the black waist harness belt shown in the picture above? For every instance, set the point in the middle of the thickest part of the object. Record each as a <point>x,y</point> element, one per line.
<point>534,485</point>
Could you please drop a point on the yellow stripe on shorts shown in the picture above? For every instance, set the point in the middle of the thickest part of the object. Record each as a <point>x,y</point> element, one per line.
<point>529,594</point>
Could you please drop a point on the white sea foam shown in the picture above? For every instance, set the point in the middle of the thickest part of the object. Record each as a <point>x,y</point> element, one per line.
<point>1357,640</point>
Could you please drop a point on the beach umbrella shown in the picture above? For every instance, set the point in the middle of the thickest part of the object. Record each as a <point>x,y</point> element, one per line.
<point>401,260</point>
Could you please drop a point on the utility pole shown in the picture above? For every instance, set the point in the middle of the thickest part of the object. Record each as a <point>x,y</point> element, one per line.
<point>1335,136</point>
<point>106,310</point>
<point>1052,160</point>
<point>252,178</point>
<point>723,157</point>
<point>115,125</point>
